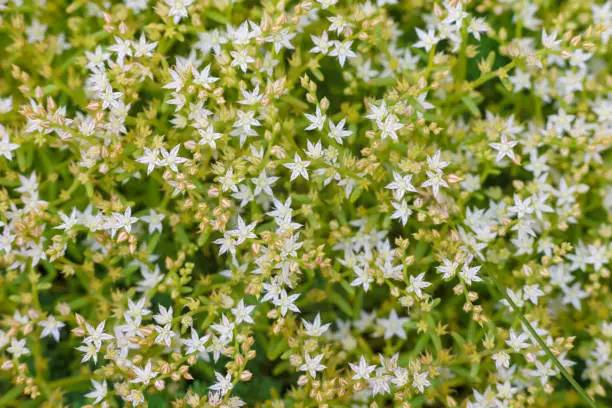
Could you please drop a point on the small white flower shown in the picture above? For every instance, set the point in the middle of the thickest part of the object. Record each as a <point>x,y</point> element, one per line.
<point>223,384</point>
<point>337,132</point>
<point>393,325</point>
<point>504,148</point>
<point>51,327</point>
<point>18,348</point>
<point>144,375</point>
<point>6,147</point>
<point>242,313</point>
<point>312,365</point>
<point>99,392</point>
<point>178,9</point>
<point>286,302</point>
<point>427,40</point>
<point>420,381</point>
<point>362,370</point>
<point>298,167</point>
<point>315,329</point>
<point>342,50</point>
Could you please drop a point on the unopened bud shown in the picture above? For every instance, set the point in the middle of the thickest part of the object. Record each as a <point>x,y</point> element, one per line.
<point>246,376</point>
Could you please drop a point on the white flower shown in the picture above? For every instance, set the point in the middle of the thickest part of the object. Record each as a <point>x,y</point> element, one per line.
<point>550,40</point>
<point>225,328</point>
<point>337,132</point>
<point>125,220</point>
<point>434,163</point>
<point>136,397</point>
<point>315,329</point>
<point>317,121</point>
<point>477,26</point>
<point>521,80</point>
<point>195,344</point>
<point>448,269</point>
<point>322,44</point>
<point>91,352</point>
<point>164,316</point>
<point>122,48</point>
<point>142,48</point>
<point>427,40</point>
<point>165,335</point>
<point>435,181</point>
<point>242,313</point>
<point>223,384</point>
<point>420,381</point>
<point>251,98</point>
<point>51,327</point>
<point>504,148</point>
<point>470,274</point>
<point>18,348</point>
<point>521,208</point>
<point>377,113</point>
<point>517,342</point>
<point>363,278</point>
<point>362,370</point>
<point>6,147</point>
<point>401,212</point>
<point>96,335</point>
<point>401,185</point>
<point>241,58</point>
<point>342,50</point>
<point>502,359</point>
<point>286,302</point>
<point>338,24</point>
<point>150,157</point>
<point>281,39</point>
<point>326,3</point>
<point>68,221</point>
<point>154,219</point>
<point>178,9</point>
<point>99,392</point>
<point>6,104</point>
<point>298,167</point>
<point>144,375</point>
<point>532,293</point>
<point>312,365</point>
<point>36,31</point>
<point>137,309</point>
<point>243,231</point>
<point>171,159</point>
<point>263,183</point>
<point>416,284</point>
<point>203,77</point>
<point>393,325</point>
<point>389,127</point>
<point>573,295</point>
<point>380,383</point>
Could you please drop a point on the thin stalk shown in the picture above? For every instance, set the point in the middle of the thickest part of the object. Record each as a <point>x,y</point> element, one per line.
<point>542,344</point>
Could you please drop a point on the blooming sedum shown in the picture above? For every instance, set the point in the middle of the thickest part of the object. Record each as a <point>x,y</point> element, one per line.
<point>218,203</point>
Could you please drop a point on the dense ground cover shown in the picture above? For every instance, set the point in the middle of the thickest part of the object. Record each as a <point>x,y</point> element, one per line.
<point>305,203</point>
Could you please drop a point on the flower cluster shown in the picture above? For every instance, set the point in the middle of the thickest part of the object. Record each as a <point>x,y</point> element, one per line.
<point>366,203</point>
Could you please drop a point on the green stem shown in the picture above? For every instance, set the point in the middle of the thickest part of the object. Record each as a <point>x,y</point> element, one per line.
<point>63,382</point>
<point>543,345</point>
<point>462,61</point>
<point>11,396</point>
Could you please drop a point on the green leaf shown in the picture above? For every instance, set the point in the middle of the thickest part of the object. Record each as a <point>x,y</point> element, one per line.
<point>216,16</point>
<point>469,102</point>
<point>277,349</point>
<point>342,303</point>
